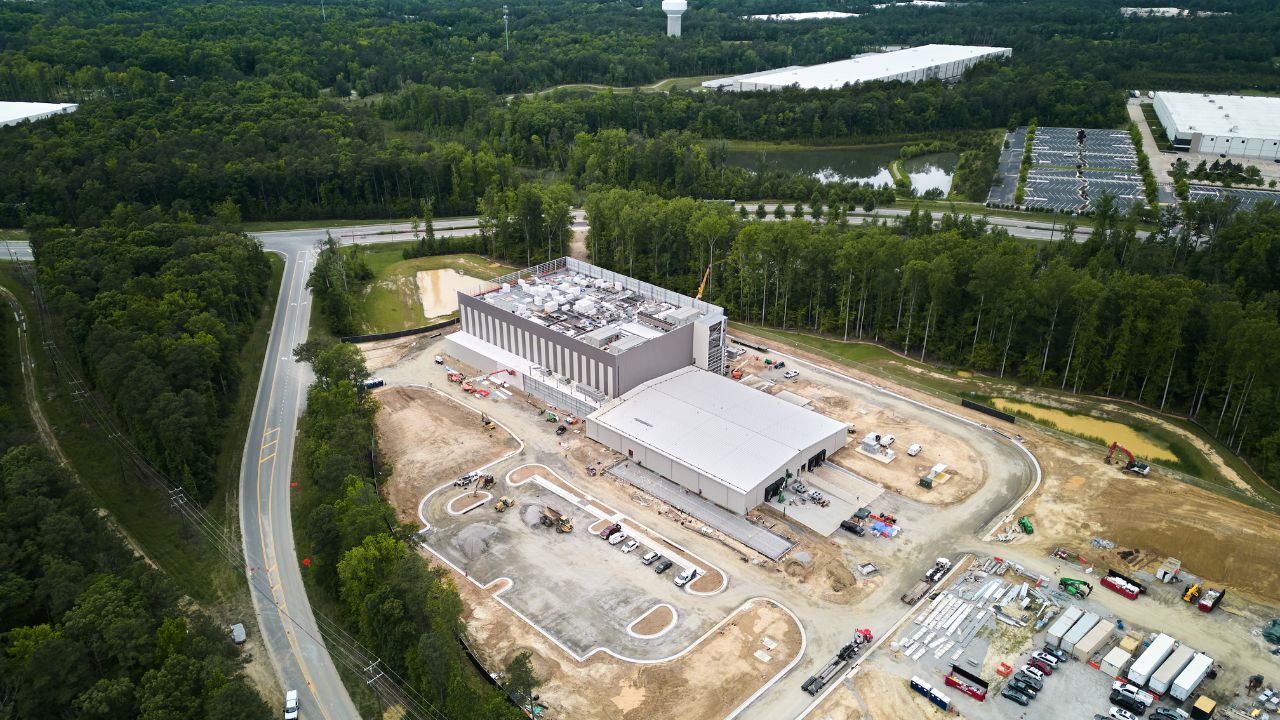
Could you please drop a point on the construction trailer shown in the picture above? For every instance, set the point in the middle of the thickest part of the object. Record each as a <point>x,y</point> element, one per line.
<point>1078,631</point>
<point>1191,677</point>
<point>1094,640</point>
<point>1169,670</point>
<point>1115,661</point>
<point>1063,624</point>
<point>1151,659</point>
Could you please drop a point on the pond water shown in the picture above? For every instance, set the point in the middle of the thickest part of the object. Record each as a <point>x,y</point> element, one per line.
<point>864,165</point>
<point>1138,443</point>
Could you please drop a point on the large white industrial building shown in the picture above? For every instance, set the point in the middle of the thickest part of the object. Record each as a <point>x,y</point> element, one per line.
<point>12,113</point>
<point>1234,125</point>
<point>729,443</point>
<point>927,62</point>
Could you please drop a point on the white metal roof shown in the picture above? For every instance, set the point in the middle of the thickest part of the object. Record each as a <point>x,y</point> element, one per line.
<point>817,15</point>
<point>15,112</point>
<point>721,428</point>
<point>876,66</point>
<point>1230,115</point>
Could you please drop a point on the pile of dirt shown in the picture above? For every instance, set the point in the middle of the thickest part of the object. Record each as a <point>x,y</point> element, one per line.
<point>473,540</point>
<point>531,515</point>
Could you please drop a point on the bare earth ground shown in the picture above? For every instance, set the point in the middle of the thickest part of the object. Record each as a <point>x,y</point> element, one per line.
<point>720,673</point>
<point>653,621</point>
<point>430,439</point>
<point>902,475</point>
<point>875,695</point>
<point>385,353</point>
<point>438,290</point>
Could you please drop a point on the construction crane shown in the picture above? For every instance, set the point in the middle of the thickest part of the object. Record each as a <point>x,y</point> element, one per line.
<point>1135,466</point>
<point>1074,587</point>
<point>702,287</point>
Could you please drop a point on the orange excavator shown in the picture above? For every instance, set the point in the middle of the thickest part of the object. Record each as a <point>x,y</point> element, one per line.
<point>1135,466</point>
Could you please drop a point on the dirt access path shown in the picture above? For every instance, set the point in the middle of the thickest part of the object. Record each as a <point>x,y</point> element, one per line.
<point>432,439</point>
<point>874,695</point>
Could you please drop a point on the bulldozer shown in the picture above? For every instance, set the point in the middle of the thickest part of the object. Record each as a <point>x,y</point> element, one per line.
<point>1191,594</point>
<point>486,422</point>
<point>551,516</point>
<point>1075,588</point>
<point>503,504</point>
<point>1135,466</point>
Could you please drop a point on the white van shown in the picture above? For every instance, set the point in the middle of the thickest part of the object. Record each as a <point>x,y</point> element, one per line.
<point>914,450</point>
<point>887,440</point>
<point>291,705</point>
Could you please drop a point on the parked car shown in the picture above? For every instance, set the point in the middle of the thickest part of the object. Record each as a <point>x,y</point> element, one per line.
<point>1128,702</point>
<point>372,383</point>
<point>630,545</point>
<point>291,705</point>
<point>1015,696</point>
<point>1167,714</point>
<point>779,365</point>
<point>683,578</point>
<point>1045,657</point>
<point>887,440</point>
<point>617,538</point>
<point>1040,665</point>
<point>609,531</point>
<point>1032,671</point>
<point>663,566</point>
<point>791,374</point>
<point>1056,652</point>
<point>1035,682</point>
<point>915,449</point>
<point>650,558</point>
<point>1024,688</point>
<point>853,527</point>
<point>467,479</point>
<point>1119,714</point>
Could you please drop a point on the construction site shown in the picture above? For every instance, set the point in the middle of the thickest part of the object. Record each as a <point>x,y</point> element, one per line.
<point>925,560</point>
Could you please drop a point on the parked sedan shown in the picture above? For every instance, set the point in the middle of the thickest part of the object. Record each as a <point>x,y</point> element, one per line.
<point>1015,696</point>
<point>1023,688</point>
<point>650,558</point>
<point>1040,665</point>
<point>683,578</point>
<point>791,374</point>
<point>609,531</point>
<point>1117,714</point>
<point>663,566</point>
<point>630,545</point>
<point>1026,679</point>
<point>617,538</point>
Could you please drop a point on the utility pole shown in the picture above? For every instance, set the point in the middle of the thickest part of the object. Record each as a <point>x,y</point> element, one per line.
<point>506,26</point>
<point>323,17</point>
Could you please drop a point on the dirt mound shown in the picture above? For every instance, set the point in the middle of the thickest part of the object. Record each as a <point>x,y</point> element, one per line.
<point>473,540</point>
<point>531,515</point>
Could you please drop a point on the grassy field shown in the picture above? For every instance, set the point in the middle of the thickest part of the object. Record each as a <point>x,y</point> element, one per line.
<point>257,226</point>
<point>173,545</point>
<point>12,235</point>
<point>953,385</point>
<point>391,302</point>
<point>1157,129</point>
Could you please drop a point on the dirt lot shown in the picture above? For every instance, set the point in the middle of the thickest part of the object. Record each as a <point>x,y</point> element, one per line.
<point>902,475</point>
<point>876,695</point>
<point>385,353</point>
<point>433,439</point>
<point>716,676</point>
<point>654,621</point>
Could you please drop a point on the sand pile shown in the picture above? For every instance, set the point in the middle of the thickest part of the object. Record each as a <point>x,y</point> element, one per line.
<point>473,541</point>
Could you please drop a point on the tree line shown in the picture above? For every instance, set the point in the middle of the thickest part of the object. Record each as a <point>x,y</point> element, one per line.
<point>91,631</point>
<point>403,609</point>
<point>1183,321</point>
<point>157,309</point>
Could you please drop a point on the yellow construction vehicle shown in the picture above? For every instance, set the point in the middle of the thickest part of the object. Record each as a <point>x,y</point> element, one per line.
<point>552,518</point>
<point>503,503</point>
<point>1192,593</point>
<point>486,422</point>
<point>702,287</point>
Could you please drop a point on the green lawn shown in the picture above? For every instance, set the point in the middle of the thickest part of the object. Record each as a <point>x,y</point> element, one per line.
<point>179,550</point>
<point>391,302</point>
<point>1157,129</point>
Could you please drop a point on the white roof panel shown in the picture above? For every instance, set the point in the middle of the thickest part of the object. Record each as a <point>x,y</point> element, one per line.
<point>15,112</point>
<point>817,15</point>
<point>873,67</point>
<point>1230,115</point>
<point>721,428</point>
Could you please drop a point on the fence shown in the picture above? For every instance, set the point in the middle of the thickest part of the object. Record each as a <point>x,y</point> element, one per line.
<point>400,333</point>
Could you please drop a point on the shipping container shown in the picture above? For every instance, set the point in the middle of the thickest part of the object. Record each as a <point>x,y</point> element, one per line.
<point>1115,661</point>
<point>1150,659</point>
<point>1063,624</point>
<point>1161,679</point>
<point>1078,631</point>
<point>1190,677</point>
<point>1093,641</point>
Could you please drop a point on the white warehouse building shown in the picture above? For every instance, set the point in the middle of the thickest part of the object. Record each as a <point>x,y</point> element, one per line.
<point>1233,125</point>
<point>729,443</point>
<point>927,62</point>
<point>12,113</point>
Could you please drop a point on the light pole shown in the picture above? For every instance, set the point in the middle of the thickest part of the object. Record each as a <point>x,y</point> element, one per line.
<point>506,26</point>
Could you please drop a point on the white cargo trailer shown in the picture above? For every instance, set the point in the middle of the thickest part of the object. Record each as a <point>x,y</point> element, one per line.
<point>1190,677</point>
<point>1150,659</point>
<point>1115,661</point>
<point>1093,641</point>
<point>1161,679</point>
<point>1063,624</point>
<point>1078,631</point>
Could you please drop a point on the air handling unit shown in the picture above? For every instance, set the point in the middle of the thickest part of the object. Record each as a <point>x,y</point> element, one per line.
<point>674,9</point>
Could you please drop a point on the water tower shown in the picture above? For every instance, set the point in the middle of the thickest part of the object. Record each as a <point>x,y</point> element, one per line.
<point>674,9</point>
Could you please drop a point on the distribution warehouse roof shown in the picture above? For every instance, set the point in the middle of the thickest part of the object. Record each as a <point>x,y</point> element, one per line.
<point>875,66</point>
<point>721,428</point>
<point>1230,115</point>
<point>12,113</point>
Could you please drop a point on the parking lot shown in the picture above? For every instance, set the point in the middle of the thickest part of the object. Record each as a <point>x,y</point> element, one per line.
<point>1247,197</point>
<point>613,591</point>
<point>1065,176</point>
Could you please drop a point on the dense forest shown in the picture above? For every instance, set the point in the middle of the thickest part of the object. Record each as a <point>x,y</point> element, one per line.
<point>190,105</point>
<point>157,308</point>
<point>88,629</point>
<point>1179,325</point>
<point>405,611</point>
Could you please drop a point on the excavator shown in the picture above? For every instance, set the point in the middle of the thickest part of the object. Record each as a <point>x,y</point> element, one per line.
<point>1135,466</point>
<point>1074,587</point>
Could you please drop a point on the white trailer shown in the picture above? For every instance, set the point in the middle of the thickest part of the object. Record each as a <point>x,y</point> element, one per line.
<point>1190,677</point>
<point>1161,679</point>
<point>1063,624</point>
<point>1078,631</point>
<point>1150,659</point>
<point>1093,641</point>
<point>1115,661</point>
